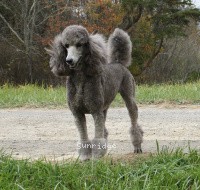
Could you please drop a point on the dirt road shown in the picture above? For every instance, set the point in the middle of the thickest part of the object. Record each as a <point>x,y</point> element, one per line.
<point>34,133</point>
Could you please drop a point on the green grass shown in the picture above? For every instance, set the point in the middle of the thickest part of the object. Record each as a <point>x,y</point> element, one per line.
<point>166,170</point>
<point>36,96</point>
<point>172,93</point>
<point>32,96</point>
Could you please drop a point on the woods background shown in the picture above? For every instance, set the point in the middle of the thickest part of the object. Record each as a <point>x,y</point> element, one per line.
<point>165,36</point>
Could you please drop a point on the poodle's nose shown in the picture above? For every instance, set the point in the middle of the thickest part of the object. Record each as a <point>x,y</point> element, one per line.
<point>69,61</point>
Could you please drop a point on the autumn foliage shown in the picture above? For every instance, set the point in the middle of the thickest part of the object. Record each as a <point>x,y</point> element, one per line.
<point>33,24</point>
<point>101,16</point>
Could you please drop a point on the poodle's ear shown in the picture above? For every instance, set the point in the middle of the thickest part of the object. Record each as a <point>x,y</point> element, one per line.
<point>97,55</point>
<point>58,55</point>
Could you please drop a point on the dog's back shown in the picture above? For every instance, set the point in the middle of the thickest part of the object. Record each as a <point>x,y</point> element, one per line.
<point>117,77</point>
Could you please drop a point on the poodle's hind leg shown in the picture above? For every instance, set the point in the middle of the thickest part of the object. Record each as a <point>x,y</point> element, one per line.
<point>84,146</point>
<point>105,130</point>
<point>136,131</point>
<point>99,143</point>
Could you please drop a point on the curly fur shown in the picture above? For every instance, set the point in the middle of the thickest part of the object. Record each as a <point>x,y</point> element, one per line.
<point>58,54</point>
<point>119,48</point>
<point>94,83</point>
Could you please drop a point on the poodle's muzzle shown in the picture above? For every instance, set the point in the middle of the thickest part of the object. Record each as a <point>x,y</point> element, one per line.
<point>74,57</point>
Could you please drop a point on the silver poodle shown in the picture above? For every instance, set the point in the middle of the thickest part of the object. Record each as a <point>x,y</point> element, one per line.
<point>96,72</point>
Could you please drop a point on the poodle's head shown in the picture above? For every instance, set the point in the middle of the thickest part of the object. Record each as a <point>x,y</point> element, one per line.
<point>75,49</point>
<point>75,39</point>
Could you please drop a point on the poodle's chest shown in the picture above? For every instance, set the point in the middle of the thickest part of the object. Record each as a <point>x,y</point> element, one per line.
<point>86,96</point>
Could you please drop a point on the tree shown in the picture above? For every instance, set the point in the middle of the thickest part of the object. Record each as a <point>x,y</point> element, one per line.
<point>23,23</point>
<point>27,26</point>
<point>101,16</point>
<point>151,22</point>
<point>178,62</point>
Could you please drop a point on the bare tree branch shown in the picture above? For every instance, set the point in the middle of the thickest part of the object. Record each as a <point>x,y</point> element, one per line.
<point>19,2</point>
<point>155,53</point>
<point>57,12</point>
<point>5,6</point>
<point>11,44</point>
<point>32,7</point>
<point>130,20</point>
<point>12,30</point>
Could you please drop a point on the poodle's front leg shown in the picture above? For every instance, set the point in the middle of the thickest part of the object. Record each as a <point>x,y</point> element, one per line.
<point>99,143</point>
<point>84,146</point>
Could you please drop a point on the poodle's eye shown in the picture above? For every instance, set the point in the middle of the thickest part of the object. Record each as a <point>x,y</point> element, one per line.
<point>78,45</point>
<point>66,45</point>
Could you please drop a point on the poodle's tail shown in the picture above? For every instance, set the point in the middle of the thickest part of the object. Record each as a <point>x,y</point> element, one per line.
<point>119,48</point>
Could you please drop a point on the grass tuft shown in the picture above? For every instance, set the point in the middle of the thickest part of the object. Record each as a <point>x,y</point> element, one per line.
<point>166,170</point>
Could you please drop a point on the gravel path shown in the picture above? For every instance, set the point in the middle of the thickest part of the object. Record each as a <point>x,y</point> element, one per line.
<point>35,133</point>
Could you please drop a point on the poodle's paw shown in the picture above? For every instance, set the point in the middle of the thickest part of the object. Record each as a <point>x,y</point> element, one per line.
<point>137,138</point>
<point>84,150</point>
<point>99,147</point>
<point>137,149</point>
